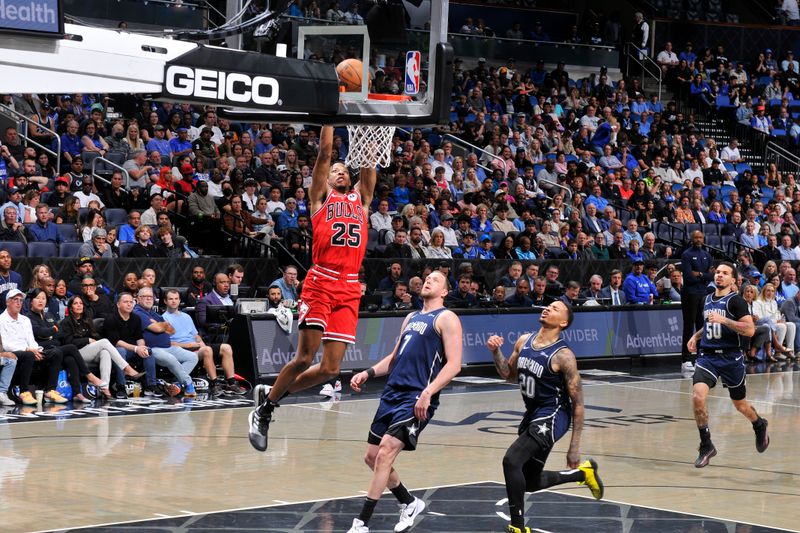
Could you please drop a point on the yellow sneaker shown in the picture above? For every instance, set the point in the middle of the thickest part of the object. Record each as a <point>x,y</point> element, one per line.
<point>513,529</point>
<point>27,398</point>
<point>52,396</point>
<point>593,481</point>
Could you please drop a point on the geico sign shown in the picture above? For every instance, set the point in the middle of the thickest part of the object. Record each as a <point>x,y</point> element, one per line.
<point>217,85</point>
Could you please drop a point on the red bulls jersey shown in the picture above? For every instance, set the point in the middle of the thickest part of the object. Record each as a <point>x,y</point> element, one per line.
<point>340,233</point>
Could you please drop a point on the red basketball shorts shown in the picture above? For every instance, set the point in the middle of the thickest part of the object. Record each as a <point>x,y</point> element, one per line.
<point>330,301</point>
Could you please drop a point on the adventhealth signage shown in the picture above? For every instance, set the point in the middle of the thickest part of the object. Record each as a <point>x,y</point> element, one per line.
<point>42,17</point>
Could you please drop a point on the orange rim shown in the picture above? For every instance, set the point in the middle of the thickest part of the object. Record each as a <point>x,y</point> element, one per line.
<point>389,97</point>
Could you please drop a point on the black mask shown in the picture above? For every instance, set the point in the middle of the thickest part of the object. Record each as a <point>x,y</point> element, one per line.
<point>119,135</point>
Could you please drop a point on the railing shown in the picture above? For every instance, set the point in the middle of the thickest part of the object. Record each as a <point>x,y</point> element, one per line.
<point>452,138</point>
<point>96,176</point>
<point>646,65</point>
<point>785,160</point>
<point>501,48</point>
<point>25,136</point>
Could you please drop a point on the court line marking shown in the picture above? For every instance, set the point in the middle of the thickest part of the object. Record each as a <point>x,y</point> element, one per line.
<point>511,388</point>
<point>434,513</point>
<point>618,502</point>
<point>717,396</point>
<point>316,408</point>
<point>232,509</point>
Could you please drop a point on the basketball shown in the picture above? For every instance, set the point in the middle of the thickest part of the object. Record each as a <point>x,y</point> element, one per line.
<point>349,72</point>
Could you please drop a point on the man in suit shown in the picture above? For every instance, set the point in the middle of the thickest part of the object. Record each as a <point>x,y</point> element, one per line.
<point>521,297</point>
<point>539,296</point>
<point>613,293</point>
<point>590,221</point>
<point>595,289</point>
<point>219,296</point>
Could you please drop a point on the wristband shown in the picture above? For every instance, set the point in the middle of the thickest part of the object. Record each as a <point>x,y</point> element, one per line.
<point>370,372</point>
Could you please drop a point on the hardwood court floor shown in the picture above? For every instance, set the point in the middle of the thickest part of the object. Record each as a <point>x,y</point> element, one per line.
<point>104,470</point>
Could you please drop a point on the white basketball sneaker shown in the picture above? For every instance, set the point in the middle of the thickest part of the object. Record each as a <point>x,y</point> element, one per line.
<point>330,390</point>
<point>408,513</point>
<point>358,527</point>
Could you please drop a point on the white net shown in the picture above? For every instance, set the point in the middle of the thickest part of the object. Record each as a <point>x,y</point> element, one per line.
<point>370,146</point>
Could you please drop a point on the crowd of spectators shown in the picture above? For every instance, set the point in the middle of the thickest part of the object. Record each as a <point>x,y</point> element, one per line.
<point>107,337</point>
<point>565,169</point>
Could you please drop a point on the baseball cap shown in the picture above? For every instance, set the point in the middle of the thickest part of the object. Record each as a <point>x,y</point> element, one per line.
<point>62,179</point>
<point>499,192</point>
<point>398,216</point>
<point>159,127</point>
<point>481,60</point>
<point>638,261</point>
<point>14,190</point>
<point>470,233</point>
<point>99,232</point>
<point>13,293</point>
<point>447,216</point>
<point>282,168</point>
<point>83,260</point>
<point>768,51</point>
<point>751,272</point>
<point>485,238</point>
<point>187,168</point>
<point>182,129</point>
<point>97,107</point>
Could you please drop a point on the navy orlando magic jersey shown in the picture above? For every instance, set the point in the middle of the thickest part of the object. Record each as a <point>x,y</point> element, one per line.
<point>420,355</point>
<point>719,336</point>
<point>543,391</point>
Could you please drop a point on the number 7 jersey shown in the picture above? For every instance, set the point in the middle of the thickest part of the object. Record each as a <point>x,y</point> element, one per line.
<point>339,229</point>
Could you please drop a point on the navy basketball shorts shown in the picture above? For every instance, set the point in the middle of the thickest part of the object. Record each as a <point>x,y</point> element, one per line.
<point>395,417</point>
<point>545,426</point>
<point>726,366</point>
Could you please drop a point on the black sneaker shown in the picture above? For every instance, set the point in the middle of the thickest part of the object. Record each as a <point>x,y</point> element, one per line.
<point>707,451</point>
<point>232,387</point>
<point>119,392</point>
<point>153,391</point>
<point>217,388</point>
<point>259,424</point>
<point>762,437</point>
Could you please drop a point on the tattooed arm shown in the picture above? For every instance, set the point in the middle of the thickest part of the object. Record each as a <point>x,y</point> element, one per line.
<point>565,363</point>
<point>507,368</point>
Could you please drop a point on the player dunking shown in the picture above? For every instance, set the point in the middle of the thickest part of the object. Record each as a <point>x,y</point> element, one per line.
<point>328,306</point>
<point>727,319</point>
<point>551,389</point>
<point>426,357</point>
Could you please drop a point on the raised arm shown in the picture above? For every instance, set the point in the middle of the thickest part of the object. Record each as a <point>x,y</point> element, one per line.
<point>565,363</point>
<point>322,168</point>
<point>366,185</point>
<point>507,368</point>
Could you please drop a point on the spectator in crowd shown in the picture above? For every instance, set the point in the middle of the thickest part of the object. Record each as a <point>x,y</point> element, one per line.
<point>17,334</point>
<point>398,247</point>
<point>637,287</point>
<point>8,364</point>
<point>521,296</point>
<point>393,275</point>
<point>144,247</point>
<point>186,336</point>
<point>84,267</point>
<point>98,304</point>
<point>220,295</point>
<point>44,230</point>
<point>460,296</point>
<point>288,283</point>
<point>97,247</point>
<point>198,286</point>
<point>156,332</point>
<point>9,279</point>
<point>124,330</point>
<point>571,293</point>
<point>594,290</point>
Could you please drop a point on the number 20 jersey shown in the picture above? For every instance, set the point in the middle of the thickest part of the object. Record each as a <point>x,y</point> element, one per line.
<point>543,391</point>
<point>340,233</point>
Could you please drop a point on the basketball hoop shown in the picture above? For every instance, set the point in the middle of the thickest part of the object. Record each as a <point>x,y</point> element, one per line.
<point>371,146</point>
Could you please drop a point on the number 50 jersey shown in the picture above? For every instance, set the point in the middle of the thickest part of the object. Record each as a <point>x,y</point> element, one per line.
<point>718,336</point>
<point>339,231</point>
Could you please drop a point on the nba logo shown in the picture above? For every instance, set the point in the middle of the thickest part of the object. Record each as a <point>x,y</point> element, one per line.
<point>413,60</point>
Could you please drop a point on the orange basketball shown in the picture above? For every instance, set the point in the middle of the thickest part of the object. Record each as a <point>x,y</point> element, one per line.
<point>349,72</point>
